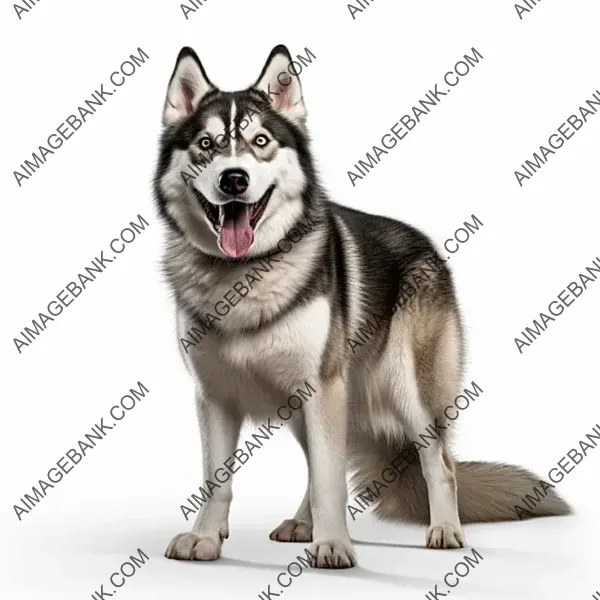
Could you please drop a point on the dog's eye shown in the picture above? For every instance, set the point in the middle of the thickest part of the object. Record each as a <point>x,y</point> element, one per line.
<point>261,140</point>
<point>205,143</point>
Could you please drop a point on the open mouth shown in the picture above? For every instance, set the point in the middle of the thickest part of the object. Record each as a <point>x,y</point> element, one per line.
<point>235,221</point>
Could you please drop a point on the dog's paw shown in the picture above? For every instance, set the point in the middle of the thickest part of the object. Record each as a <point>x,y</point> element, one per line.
<point>445,536</point>
<point>191,546</point>
<point>292,530</point>
<point>332,554</point>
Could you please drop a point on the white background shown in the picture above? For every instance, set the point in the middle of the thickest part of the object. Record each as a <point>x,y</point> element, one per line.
<point>457,162</point>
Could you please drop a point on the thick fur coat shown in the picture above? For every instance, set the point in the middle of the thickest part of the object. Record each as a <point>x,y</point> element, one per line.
<point>328,303</point>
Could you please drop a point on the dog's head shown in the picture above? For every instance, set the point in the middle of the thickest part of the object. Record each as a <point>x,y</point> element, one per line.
<point>234,166</point>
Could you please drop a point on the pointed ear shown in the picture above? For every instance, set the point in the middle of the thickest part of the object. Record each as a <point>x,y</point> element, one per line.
<point>281,85</point>
<point>188,84</point>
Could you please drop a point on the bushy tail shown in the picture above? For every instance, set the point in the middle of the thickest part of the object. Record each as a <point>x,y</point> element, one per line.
<point>486,491</point>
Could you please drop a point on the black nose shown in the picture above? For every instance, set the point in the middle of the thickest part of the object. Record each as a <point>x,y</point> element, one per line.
<point>234,181</point>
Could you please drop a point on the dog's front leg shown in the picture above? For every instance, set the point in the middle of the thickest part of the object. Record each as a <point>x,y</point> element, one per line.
<point>219,428</point>
<point>326,425</point>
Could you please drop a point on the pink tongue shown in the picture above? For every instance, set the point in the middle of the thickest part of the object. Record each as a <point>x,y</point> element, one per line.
<point>236,235</point>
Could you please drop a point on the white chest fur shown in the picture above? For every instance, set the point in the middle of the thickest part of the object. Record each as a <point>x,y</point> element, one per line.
<point>275,360</point>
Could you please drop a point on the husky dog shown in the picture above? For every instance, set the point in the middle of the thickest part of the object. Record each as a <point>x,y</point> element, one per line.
<point>296,324</point>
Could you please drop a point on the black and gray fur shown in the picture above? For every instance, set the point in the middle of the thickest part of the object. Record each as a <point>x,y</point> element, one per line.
<point>297,324</point>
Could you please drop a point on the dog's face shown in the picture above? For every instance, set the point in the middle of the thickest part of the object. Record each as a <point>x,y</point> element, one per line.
<point>230,175</point>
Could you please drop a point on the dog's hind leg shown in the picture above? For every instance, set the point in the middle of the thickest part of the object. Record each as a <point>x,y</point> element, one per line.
<point>219,427</point>
<point>298,528</point>
<point>430,380</point>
